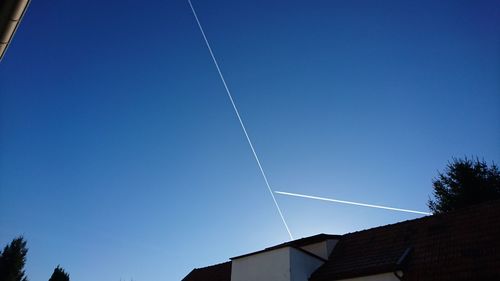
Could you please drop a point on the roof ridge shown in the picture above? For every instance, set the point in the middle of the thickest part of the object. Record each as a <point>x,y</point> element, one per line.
<point>430,217</point>
<point>296,242</point>
<point>213,265</point>
<point>432,247</point>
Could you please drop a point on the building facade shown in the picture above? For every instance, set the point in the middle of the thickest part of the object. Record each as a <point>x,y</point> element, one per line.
<point>460,245</point>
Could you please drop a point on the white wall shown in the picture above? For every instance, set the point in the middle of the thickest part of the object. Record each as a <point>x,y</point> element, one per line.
<point>267,266</point>
<point>302,265</point>
<point>377,277</point>
<point>283,264</point>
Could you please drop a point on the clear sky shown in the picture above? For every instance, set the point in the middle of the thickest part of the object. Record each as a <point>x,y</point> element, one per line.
<point>121,157</point>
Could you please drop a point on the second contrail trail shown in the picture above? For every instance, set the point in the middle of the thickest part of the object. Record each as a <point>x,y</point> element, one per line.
<point>351,203</point>
<point>241,121</point>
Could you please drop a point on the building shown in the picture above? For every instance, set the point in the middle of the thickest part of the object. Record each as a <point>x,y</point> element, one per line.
<point>460,245</point>
<point>11,13</point>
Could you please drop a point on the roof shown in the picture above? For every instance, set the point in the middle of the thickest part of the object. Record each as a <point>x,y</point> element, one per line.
<point>222,271</point>
<point>295,243</point>
<point>218,272</point>
<point>460,245</point>
<point>11,13</point>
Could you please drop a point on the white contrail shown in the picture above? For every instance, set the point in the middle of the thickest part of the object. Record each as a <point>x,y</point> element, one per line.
<point>352,203</point>
<point>241,121</point>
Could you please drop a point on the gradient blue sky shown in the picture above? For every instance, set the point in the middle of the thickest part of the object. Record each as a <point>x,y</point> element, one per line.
<point>121,156</point>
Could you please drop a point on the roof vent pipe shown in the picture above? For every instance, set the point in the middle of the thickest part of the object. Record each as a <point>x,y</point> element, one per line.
<point>401,262</point>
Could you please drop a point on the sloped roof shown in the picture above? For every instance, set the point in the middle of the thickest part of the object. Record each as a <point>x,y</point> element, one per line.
<point>218,272</point>
<point>222,271</point>
<point>11,13</point>
<point>295,243</point>
<point>461,245</point>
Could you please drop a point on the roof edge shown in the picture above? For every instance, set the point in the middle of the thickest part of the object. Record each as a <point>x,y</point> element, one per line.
<point>297,243</point>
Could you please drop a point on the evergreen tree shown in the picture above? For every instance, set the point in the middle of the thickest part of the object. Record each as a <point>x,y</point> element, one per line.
<point>12,261</point>
<point>465,182</point>
<point>59,275</point>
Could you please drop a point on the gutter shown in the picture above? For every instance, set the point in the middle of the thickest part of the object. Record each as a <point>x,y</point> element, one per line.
<point>11,13</point>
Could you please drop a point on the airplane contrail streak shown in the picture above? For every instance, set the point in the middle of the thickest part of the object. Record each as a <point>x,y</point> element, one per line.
<point>351,203</point>
<point>241,121</point>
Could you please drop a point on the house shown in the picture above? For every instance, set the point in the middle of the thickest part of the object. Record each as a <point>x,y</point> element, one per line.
<point>11,13</point>
<point>460,245</point>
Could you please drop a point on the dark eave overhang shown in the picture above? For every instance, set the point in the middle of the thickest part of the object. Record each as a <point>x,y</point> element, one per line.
<point>11,13</point>
<point>295,244</point>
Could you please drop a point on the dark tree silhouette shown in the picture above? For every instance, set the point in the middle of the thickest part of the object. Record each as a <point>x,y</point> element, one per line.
<point>59,275</point>
<point>12,261</point>
<point>465,182</point>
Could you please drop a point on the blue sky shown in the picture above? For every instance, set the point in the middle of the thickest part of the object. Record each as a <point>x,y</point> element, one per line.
<point>121,157</point>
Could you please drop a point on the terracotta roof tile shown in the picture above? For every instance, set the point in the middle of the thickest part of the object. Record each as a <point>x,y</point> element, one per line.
<point>461,245</point>
<point>218,272</point>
